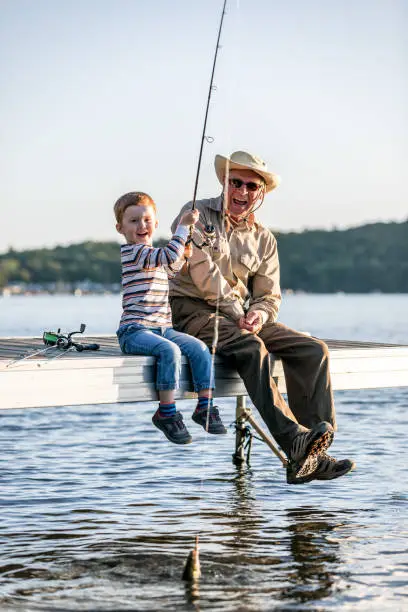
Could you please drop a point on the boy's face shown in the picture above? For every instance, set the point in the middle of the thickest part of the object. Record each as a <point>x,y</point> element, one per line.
<point>138,224</point>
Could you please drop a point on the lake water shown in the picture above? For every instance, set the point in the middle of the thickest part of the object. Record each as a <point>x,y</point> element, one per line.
<point>99,511</point>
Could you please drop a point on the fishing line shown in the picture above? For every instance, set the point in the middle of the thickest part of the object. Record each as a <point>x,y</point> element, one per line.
<point>209,235</point>
<point>222,235</point>
<point>217,306</point>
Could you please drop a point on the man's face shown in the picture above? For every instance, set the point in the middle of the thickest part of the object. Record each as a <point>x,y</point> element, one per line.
<point>244,189</point>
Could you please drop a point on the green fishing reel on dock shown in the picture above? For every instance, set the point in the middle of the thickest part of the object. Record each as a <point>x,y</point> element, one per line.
<point>65,341</point>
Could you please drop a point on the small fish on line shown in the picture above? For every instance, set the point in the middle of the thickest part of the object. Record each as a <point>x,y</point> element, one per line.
<point>192,571</point>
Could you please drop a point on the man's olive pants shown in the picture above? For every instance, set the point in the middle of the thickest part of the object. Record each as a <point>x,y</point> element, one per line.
<point>305,362</point>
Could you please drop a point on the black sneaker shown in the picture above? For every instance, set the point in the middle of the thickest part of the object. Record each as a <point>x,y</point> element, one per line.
<point>215,425</point>
<point>306,448</point>
<point>327,468</point>
<point>173,428</point>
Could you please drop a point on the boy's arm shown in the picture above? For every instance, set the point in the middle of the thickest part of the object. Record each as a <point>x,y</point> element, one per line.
<point>145,257</point>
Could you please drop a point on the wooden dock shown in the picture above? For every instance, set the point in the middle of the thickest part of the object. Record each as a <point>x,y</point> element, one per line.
<point>65,378</point>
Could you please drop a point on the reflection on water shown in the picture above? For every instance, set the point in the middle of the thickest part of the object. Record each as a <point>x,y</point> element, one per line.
<point>316,559</point>
<point>99,512</point>
<point>243,508</point>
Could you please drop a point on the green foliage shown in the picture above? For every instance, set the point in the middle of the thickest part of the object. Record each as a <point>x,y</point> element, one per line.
<point>363,259</point>
<point>98,262</point>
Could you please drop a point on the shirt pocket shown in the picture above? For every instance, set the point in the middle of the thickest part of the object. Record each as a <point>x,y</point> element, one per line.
<point>250,261</point>
<point>219,249</point>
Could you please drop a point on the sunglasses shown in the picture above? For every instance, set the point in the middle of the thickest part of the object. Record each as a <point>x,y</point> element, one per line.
<point>251,185</point>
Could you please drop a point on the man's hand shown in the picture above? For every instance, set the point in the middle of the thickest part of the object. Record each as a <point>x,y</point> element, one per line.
<point>252,322</point>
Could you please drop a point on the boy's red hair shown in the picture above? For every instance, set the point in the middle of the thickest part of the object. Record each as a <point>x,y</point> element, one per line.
<point>133,198</point>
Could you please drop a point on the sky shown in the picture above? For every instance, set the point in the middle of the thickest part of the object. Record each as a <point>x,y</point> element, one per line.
<point>101,97</point>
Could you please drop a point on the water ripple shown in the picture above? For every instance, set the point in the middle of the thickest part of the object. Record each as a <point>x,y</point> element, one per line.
<point>102,516</point>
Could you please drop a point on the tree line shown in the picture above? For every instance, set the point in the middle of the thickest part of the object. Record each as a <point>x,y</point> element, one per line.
<point>368,258</point>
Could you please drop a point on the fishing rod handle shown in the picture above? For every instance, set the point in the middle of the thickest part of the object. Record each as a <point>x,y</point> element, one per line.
<point>86,347</point>
<point>188,250</point>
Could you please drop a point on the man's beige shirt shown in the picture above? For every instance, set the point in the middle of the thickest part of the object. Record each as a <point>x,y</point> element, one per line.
<point>241,268</point>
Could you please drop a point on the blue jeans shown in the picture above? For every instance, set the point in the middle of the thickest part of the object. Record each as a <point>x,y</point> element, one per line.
<point>168,345</point>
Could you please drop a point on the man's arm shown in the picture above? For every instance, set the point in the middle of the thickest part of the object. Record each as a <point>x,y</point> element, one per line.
<point>266,293</point>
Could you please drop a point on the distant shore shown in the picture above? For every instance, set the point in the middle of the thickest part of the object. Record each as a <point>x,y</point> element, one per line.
<point>369,259</point>
<point>83,289</point>
<point>77,289</point>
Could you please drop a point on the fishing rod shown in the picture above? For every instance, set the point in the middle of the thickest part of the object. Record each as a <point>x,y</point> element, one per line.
<point>10,364</point>
<point>57,340</point>
<point>210,90</point>
<point>208,230</point>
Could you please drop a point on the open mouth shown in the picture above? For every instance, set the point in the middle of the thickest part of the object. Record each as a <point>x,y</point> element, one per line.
<point>240,203</point>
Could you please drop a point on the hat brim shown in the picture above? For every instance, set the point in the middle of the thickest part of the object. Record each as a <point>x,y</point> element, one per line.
<point>271,179</point>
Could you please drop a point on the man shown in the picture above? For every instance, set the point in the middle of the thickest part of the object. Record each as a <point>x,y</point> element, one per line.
<point>234,266</point>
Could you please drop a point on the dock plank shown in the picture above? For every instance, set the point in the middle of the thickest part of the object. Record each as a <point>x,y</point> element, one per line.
<point>60,378</point>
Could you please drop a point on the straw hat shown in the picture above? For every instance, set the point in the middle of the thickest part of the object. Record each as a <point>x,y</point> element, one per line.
<point>241,160</point>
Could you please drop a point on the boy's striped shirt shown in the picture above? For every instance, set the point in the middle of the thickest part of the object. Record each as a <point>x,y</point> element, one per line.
<point>145,287</point>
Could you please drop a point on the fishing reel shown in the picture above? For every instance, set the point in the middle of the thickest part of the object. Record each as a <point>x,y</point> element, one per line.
<point>65,341</point>
<point>209,236</point>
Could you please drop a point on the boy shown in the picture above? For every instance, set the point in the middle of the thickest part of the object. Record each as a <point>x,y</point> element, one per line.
<point>145,326</point>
